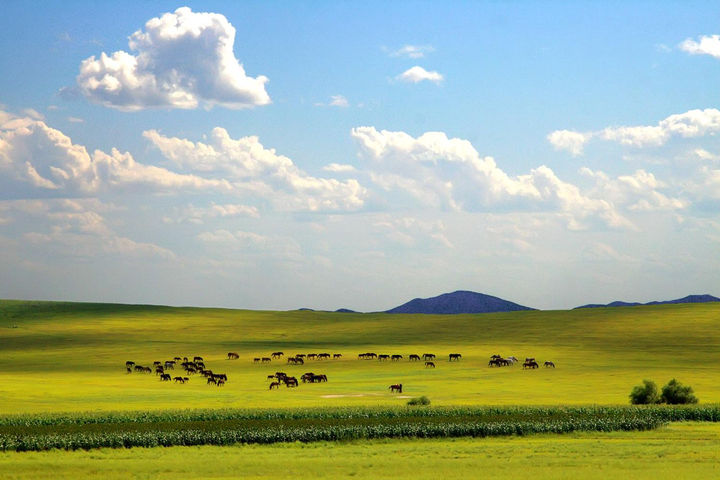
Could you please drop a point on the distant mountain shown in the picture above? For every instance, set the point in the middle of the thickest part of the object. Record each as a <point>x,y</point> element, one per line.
<point>345,310</point>
<point>458,302</point>
<point>688,299</point>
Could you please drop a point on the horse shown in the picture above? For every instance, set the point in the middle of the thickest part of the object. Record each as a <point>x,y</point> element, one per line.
<point>159,370</point>
<point>170,365</point>
<point>383,357</point>
<point>414,358</point>
<point>165,377</point>
<point>179,379</point>
<point>370,356</point>
<point>266,360</point>
<point>428,356</point>
<point>336,356</point>
<point>532,365</point>
<point>291,382</point>
<point>277,354</point>
<point>513,359</point>
<point>146,370</point>
<point>211,380</point>
<point>455,356</point>
<point>311,356</point>
<point>199,365</point>
<point>274,385</point>
<point>362,356</point>
<point>271,377</point>
<point>549,364</point>
<point>396,388</point>
<point>300,355</point>
<point>429,364</point>
<point>396,358</point>
<point>177,359</point>
<point>220,383</point>
<point>198,359</point>
<point>233,356</point>
<point>256,359</point>
<point>129,370</point>
<point>130,364</point>
<point>324,356</point>
<point>186,379</point>
<point>532,359</point>
<point>155,364</point>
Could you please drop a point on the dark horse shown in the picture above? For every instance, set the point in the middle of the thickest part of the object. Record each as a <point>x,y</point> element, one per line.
<point>549,364</point>
<point>414,358</point>
<point>396,388</point>
<point>429,364</point>
<point>455,356</point>
<point>233,356</point>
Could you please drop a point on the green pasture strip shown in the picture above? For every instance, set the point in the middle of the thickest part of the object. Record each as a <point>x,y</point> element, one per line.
<point>227,427</point>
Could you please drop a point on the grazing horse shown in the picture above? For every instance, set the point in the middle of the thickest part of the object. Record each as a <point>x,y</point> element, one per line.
<point>396,388</point>
<point>256,360</point>
<point>291,382</point>
<point>337,355</point>
<point>414,358</point>
<point>307,377</point>
<point>155,364</point>
<point>129,370</point>
<point>177,359</point>
<point>311,356</point>
<point>233,356</point>
<point>159,370</point>
<point>532,359</point>
<point>129,364</point>
<point>170,365</point>
<point>185,359</point>
<point>198,359</point>
<point>532,365</point>
<point>300,355</point>
<point>165,377</point>
<point>186,379</point>
<point>429,364</point>
<point>383,357</point>
<point>396,358</point>
<point>266,360</point>
<point>428,356</point>
<point>146,370</point>
<point>277,354</point>
<point>319,378</point>
<point>220,383</point>
<point>370,356</point>
<point>274,385</point>
<point>549,364</point>
<point>324,356</point>
<point>179,379</point>
<point>455,356</point>
<point>211,380</point>
<point>271,377</point>
<point>513,359</point>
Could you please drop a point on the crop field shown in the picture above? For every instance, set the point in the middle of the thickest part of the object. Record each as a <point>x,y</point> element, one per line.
<point>678,451</point>
<point>66,357</point>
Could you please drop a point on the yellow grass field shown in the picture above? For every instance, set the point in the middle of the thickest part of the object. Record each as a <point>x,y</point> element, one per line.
<point>70,357</point>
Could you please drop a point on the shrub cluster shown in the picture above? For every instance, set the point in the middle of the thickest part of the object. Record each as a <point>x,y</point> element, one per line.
<point>419,401</point>
<point>674,393</point>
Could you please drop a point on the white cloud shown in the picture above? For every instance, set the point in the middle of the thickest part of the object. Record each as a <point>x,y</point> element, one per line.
<point>412,51</point>
<point>639,192</point>
<point>45,158</point>
<point>704,155</point>
<point>691,124</point>
<point>335,101</point>
<point>603,251</point>
<point>406,230</point>
<point>183,59</point>
<point>573,142</point>
<point>75,120</point>
<point>197,215</point>
<point>418,74</point>
<point>260,171</point>
<point>443,172</point>
<point>705,45</point>
<point>338,168</point>
<point>250,243</point>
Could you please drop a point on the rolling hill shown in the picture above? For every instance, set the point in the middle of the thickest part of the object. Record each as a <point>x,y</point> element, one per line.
<point>689,299</point>
<point>458,302</point>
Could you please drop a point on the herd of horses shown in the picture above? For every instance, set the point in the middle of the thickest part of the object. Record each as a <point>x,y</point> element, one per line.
<point>197,365</point>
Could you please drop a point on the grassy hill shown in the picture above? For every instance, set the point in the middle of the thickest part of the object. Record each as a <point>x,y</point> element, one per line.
<point>70,356</point>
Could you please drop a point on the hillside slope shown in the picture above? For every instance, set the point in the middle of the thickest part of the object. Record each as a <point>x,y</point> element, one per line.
<point>458,302</point>
<point>689,299</point>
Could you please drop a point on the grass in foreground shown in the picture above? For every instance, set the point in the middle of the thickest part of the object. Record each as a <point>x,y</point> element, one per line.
<point>679,451</point>
<point>70,357</point>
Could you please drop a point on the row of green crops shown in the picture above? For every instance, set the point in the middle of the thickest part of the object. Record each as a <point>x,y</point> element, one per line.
<point>709,413</point>
<point>225,427</point>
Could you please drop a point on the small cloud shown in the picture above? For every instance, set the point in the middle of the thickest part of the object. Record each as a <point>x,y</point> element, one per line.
<point>573,142</point>
<point>418,74</point>
<point>662,48</point>
<point>411,51</point>
<point>338,168</point>
<point>335,101</point>
<point>705,45</point>
<point>75,120</point>
<point>34,114</point>
<point>52,108</point>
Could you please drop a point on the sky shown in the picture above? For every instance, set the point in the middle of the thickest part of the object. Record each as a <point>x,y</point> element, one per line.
<point>277,155</point>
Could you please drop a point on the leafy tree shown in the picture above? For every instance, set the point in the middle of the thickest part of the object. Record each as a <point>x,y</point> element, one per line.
<point>675,393</point>
<point>645,394</point>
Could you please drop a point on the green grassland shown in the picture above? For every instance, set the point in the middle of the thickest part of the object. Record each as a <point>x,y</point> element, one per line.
<point>679,451</point>
<point>70,357</point>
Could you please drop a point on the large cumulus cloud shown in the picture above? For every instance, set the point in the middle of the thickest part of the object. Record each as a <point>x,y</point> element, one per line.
<point>183,59</point>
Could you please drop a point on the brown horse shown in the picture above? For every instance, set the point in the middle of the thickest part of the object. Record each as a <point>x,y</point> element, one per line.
<point>549,364</point>
<point>429,364</point>
<point>396,388</point>
<point>179,379</point>
<point>428,356</point>
<point>383,358</point>
<point>274,385</point>
<point>130,364</point>
<point>220,383</point>
<point>256,360</point>
<point>414,358</point>
<point>396,358</point>
<point>165,377</point>
<point>198,359</point>
<point>211,380</point>
<point>455,356</point>
<point>233,356</point>
<point>266,360</point>
<point>336,356</point>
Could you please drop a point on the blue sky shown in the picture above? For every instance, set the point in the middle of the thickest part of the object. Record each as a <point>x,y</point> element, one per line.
<point>599,118</point>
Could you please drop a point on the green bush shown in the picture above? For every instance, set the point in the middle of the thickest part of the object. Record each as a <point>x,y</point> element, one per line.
<point>419,401</point>
<point>675,393</point>
<point>645,394</point>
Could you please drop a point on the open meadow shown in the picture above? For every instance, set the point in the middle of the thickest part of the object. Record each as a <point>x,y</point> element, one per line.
<point>69,357</point>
